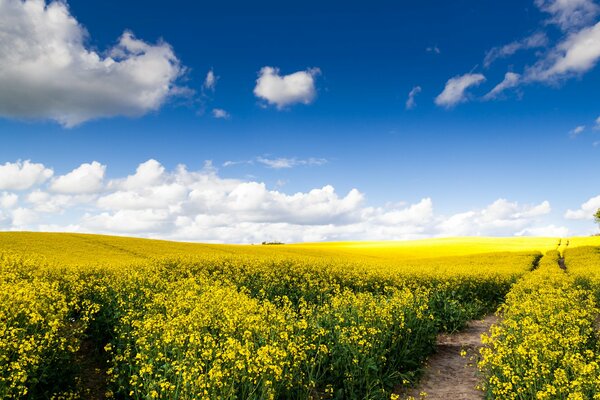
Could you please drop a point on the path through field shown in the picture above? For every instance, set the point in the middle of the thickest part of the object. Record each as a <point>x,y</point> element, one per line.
<point>449,375</point>
<point>92,371</point>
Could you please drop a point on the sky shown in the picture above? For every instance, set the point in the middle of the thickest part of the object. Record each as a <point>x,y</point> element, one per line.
<point>260,121</point>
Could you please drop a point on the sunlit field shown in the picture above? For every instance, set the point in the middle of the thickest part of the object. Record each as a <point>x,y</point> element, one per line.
<point>81,249</point>
<point>90,316</point>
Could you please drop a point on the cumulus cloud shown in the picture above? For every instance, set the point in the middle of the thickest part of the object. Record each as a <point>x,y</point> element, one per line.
<point>569,14</point>
<point>87,178</point>
<point>200,205</point>
<point>502,217</point>
<point>127,221</point>
<point>148,173</point>
<point>586,211</point>
<point>510,80</point>
<point>47,72</point>
<point>575,55</point>
<point>46,202</point>
<point>538,39</point>
<point>455,90</point>
<point>410,102</point>
<point>23,175</point>
<point>23,217</point>
<point>433,49</point>
<point>8,200</point>
<point>545,231</point>
<point>285,90</point>
<point>219,113</point>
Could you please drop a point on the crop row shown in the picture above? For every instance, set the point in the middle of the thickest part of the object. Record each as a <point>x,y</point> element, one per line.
<point>546,346</point>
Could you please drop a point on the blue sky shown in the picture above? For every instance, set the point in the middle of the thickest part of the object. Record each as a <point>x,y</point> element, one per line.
<point>79,90</point>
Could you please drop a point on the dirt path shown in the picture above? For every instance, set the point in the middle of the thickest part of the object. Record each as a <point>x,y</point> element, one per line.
<point>449,375</point>
<point>92,372</point>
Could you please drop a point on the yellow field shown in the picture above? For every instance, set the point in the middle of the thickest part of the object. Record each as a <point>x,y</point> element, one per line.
<point>168,320</point>
<point>584,241</point>
<point>82,249</point>
<point>429,248</point>
<point>545,347</point>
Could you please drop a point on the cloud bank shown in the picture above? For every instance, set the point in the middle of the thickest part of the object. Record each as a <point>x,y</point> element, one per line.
<point>200,205</point>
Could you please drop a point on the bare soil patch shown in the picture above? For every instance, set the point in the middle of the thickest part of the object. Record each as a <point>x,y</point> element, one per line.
<point>448,374</point>
<point>91,378</point>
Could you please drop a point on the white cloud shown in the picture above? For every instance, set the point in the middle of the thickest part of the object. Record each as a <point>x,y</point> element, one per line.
<point>210,82</point>
<point>285,90</point>
<point>510,80</point>
<point>597,126</point>
<point>569,14</point>
<point>23,175</point>
<point>230,163</point>
<point>147,174</point>
<point>502,217</point>
<point>433,49</point>
<point>87,178</point>
<point>200,205</point>
<point>8,200</point>
<point>277,163</point>
<point>45,202</point>
<point>167,196</point>
<point>23,217</point>
<point>219,113</point>
<point>282,162</point>
<point>586,211</point>
<point>536,40</point>
<point>410,102</point>
<point>576,131</point>
<point>47,72</point>
<point>146,221</point>
<point>455,90</point>
<point>545,231</point>
<point>575,55</point>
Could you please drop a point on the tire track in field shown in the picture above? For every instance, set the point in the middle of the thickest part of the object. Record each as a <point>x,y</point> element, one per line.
<point>91,375</point>
<point>450,374</point>
<point>561,259</point>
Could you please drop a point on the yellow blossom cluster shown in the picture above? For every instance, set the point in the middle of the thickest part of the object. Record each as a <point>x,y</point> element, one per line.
<point>545,347</point>
<point>582,259</point>
<point>40,327</point>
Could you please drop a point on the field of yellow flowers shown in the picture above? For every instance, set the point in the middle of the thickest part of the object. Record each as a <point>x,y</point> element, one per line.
<point>546,345</point>
<point>307,321</point>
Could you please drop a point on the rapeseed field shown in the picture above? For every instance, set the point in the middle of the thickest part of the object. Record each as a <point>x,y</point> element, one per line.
<point>303,321</point>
